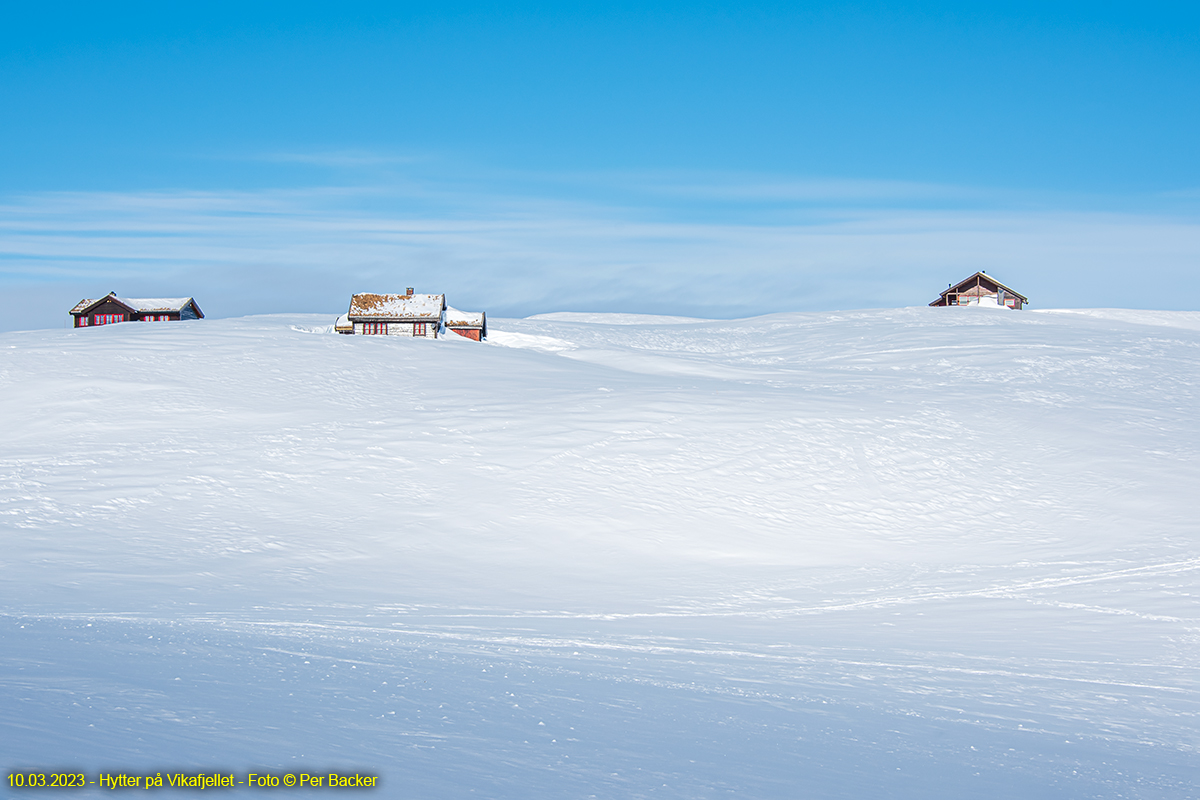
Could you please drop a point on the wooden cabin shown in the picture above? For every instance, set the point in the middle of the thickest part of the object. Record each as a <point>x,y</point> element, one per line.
<point>418,315</point>
<point>112,309</point>
<point>409,314</point>
<point>981,290</point>
<point>471,324</point>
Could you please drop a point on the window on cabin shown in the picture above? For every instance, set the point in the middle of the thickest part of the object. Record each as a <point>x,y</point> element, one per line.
<point>83,321</point>
<point>419,328</point>
<point>377,328</point>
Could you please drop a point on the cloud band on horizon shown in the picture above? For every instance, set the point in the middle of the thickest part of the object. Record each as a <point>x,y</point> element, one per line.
<point>736,248</point>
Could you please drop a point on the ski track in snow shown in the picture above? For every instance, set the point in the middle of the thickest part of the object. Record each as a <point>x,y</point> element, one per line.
<point>904,553</point>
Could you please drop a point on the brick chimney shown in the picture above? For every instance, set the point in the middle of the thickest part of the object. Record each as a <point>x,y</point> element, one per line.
<point>408,292</point>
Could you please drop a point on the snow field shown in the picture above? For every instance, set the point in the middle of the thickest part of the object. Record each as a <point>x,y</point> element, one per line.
<point>913,552</point>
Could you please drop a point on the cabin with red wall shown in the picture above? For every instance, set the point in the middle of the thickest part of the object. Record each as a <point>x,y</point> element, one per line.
<point>409,314</point>
<point>111,309</point>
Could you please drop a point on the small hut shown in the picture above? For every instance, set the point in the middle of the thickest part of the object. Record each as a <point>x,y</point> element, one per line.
<point>981,290</point>
<point>471,324</point>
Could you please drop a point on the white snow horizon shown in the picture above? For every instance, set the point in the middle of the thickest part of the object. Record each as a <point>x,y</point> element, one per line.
<point>915,552</point>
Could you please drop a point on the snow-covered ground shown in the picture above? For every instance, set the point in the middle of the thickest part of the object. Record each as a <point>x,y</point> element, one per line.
<point>927,553</point>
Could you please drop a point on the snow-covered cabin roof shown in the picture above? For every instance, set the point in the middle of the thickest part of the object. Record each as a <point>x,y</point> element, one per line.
<point>142,305</point>
<point>421,307</point>
<point>464,319</point>
<point>157,304</point>
<point>83,306</point>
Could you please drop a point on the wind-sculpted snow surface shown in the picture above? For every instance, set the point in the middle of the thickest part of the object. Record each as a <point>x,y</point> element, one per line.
<point>927,553</point>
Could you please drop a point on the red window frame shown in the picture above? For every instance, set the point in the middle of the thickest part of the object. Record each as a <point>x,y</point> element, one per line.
<point>375,328</point>
<point>419,328</point>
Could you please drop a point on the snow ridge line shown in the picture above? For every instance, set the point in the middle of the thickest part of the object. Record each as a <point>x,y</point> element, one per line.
<point>645,648</point>
<point>1009,590</point>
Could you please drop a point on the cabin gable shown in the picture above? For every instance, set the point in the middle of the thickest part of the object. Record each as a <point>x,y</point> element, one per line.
<point>981,289</point>
<point>105,311</point>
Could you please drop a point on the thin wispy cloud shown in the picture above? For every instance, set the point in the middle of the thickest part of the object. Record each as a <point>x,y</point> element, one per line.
<point>341,159</point>
<point>756,188</point>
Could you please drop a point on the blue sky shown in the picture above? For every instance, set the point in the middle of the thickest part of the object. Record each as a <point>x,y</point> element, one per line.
<point>715,159</point>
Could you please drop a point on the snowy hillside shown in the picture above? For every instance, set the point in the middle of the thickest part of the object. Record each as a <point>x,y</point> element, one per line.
<point>899,553</point>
